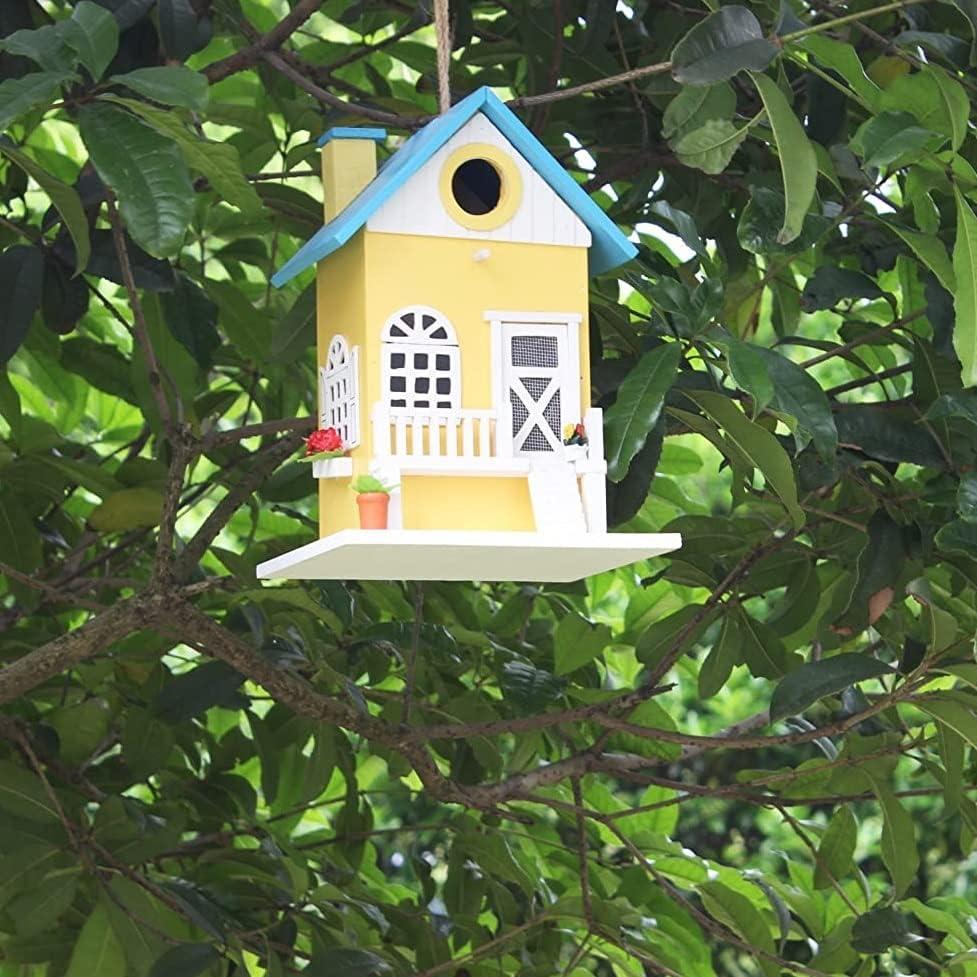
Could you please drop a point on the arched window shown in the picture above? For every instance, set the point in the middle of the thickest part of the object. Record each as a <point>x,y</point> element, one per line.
<point>339,391</point>
<point>421,360</point>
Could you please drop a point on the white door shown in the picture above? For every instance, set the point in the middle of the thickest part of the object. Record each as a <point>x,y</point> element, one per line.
<point>540,387</point>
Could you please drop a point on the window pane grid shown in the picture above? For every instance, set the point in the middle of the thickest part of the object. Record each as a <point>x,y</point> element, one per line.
<point>421,361</point>
<point>338,392</point>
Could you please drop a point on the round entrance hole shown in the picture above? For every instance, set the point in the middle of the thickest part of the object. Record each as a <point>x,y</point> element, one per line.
<point>476,186</point>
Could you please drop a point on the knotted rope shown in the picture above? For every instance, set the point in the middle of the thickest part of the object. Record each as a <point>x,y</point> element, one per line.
<point>442,28</point>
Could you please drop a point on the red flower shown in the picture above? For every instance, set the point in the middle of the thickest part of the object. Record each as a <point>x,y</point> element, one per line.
<point>325,439</point>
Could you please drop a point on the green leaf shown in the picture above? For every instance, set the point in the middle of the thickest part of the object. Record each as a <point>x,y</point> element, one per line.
<point>965,296</point>
<point>960,403</point>
<point>30,861</point>
<point>93,33</point>
<point>64,198</point>
<point>710,147</point>
<point>191,693</point>
<point>798,163</point>
<point>899,851</point>
<point>296,330</point>
<point>45,902</point>
<point>21,281</point>
<point>146,742</point>
<point>658,639</point>
<point>219,162</point>
<point>762,649</point>
<point>879,929</point>
<point>967,497</point>
<point>723,657</point>
<point>734,910</point>
<point>23,795</point>
<point>530,689</point>
<point>346,962</point>
<point>890,136</point>
<point>577,641</point>
<point>956,104</point>
<point>693,106</point>
<point>101,365</point>
<point>187,960</point>
<point>843,58</point>
<point>191,317</point>
<point>131,508</point>
<point>20,542</point>
<point>81,728</point>
<point>180,30</point>
<point>18,96</point>
<point>97,950</point>
<point>147,172</point>
<point>797,394</point>
<point>939,920</point>
<point>721,45</point>
<point>171,85</point>
<point>750,371</point>
<point>45,45</point>
<point>628,422</point>
<point>834,858</point>
<point>952,714</point>
<point>936,101</point>
<point>958,536</point>
<point>815,680</point>
<point>245,327</point>
<point>830,284</point>
<point>758,446</point>
<point>931,251</point>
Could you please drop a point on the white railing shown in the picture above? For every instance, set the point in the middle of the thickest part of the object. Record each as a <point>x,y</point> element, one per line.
<point>409,433</point>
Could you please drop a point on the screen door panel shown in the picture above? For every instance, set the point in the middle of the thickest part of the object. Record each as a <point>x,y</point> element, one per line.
<point>537,386</point>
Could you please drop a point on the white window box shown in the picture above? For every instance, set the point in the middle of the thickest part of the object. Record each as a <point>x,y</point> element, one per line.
<point>333,468</point>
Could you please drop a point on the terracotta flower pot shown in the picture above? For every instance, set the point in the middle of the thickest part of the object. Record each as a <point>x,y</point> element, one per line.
<point>373,509</point>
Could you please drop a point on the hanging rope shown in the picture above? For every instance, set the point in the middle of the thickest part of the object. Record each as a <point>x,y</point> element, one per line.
<point>442,27</point>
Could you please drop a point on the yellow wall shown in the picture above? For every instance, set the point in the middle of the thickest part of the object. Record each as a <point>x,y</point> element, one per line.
<point>341,308</point>
<point>374,275</point>
<point>449,502</point>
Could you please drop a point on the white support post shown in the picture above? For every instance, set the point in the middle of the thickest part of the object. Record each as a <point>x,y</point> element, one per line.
<point>593,488</point>
<point>593,423</point>
<point>434,436</point>
<point>593,492</point>
<point>451,436</point>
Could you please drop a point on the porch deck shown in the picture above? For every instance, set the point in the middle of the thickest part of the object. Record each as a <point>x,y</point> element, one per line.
<point>422,554</point>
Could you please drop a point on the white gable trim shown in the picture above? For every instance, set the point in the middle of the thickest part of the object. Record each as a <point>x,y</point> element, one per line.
<point>541,218</point>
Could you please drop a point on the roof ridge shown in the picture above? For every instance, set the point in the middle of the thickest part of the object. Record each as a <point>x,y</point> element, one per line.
<point>610,247</point>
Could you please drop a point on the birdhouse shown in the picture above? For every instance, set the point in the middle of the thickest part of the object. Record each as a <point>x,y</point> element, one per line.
<point>453,359</point>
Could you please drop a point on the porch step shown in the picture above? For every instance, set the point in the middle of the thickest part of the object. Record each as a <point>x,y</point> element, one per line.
<point>555,497</point>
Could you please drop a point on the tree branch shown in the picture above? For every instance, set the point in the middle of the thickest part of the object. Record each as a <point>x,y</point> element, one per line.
<point>258,429</point>
<point>249,56</point>
<point>282,66</point>
<point>60,654</point>
<point>262,464</point>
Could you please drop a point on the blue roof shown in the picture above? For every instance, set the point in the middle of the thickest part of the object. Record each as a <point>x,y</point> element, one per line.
<point>352,132</point>
<point>609,246</point>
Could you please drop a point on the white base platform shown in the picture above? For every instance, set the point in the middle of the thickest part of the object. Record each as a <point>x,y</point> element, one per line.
<point>438,554</point>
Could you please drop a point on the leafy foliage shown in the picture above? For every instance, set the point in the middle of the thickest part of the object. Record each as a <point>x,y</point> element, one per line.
<point>755,757</point>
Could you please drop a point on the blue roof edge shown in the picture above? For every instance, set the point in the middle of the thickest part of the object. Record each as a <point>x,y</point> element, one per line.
<point>610,247</point>
<point>352,132</point>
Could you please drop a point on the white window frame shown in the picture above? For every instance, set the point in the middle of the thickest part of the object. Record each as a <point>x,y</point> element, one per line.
<point>419,342</point>
<point>339,408</point>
